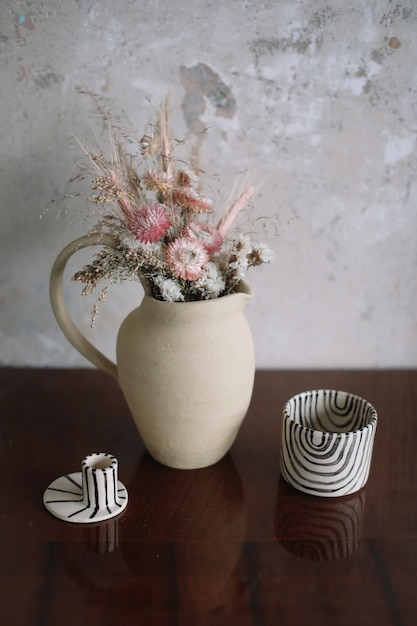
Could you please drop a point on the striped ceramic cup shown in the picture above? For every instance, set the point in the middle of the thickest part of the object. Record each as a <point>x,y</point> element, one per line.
<point>327,441</point>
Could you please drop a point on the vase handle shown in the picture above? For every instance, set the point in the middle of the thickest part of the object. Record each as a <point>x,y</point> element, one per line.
<point>68,327</point>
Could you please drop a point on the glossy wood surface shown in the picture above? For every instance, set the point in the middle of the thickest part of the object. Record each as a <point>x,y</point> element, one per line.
<point>228,545</point>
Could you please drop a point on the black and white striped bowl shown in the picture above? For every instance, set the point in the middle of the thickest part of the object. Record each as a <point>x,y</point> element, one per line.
<point>327,441</point>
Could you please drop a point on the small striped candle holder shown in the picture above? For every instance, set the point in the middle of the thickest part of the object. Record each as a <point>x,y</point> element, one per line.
<point>327,442</point>
<point>93,495</point>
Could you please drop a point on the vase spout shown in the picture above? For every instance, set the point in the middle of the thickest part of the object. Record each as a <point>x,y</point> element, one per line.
<point>245,289</point>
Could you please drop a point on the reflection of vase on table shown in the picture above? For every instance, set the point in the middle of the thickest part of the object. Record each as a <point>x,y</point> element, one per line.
<point>188,540</point>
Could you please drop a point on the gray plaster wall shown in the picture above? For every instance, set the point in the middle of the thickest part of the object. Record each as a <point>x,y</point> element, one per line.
<point>317,99</point>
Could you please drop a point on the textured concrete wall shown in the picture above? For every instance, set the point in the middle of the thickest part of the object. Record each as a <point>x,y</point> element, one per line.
<point>318,99</point>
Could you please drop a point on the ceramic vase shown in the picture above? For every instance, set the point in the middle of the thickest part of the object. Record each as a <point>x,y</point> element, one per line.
<point>186,368</point>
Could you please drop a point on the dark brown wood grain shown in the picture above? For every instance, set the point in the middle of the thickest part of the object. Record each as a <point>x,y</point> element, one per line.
<point>231,544</point>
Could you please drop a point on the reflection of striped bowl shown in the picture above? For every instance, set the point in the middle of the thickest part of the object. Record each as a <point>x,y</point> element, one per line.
<point>327,440</point>
<point>319,529</point>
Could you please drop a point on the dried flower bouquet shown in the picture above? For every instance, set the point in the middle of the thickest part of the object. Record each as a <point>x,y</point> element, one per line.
<point>167,231</point>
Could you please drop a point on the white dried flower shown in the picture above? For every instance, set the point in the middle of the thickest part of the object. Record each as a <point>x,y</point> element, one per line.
<point>130,242</point>
<point>261,253</point>
<point>212,282</point>
<point>169,289</point>
<point>239,267</point>
<point>243,244</point>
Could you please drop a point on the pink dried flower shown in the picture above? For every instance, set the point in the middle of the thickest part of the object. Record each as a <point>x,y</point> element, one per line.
<point>209,236</point>
<point>186,257</point>
<point>150,222</point>
<point>231,215</point>
<point>157,180</point>
<point>190,200</point>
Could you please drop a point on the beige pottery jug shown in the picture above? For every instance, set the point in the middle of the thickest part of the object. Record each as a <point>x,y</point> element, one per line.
<point>186,368</point>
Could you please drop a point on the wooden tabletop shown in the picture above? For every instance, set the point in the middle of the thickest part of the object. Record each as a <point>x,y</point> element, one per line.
<point>228,545</point>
